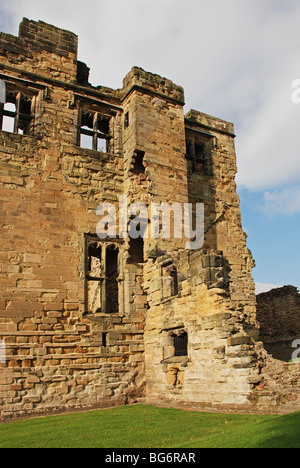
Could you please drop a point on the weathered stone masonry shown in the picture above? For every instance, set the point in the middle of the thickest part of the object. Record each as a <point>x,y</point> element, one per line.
<point>93,323</point>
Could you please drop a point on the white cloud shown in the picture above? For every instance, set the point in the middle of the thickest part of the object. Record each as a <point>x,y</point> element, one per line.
<point>235,59</point>
<point>283,202</point>
<point>265,287</point>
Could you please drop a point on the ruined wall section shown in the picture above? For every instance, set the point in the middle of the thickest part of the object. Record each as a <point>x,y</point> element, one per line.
<point>221,365</point>
<point>278,313</point>
<point>45,49</point>
<point>186,290</point>
<point>213,183</point>
<point>57,356</point>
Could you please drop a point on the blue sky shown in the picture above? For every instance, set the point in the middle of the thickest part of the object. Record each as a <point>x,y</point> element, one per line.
<point>236,60</point>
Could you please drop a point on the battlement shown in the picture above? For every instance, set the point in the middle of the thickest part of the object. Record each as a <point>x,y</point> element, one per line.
<point>42,36</point>
<point>138,78</point>
<point>194,117</point>
<point>37,45</point>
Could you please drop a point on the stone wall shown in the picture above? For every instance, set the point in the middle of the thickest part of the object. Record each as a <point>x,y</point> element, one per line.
<point>58,356</point>
<point>220,366</point>
<point>90,322</point>
<point>278,313</point>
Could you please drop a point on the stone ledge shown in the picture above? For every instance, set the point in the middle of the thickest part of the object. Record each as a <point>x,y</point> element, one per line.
<point>176,360</point>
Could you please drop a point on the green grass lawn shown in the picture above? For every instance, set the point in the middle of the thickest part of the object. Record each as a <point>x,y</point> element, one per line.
<point>145,426</point>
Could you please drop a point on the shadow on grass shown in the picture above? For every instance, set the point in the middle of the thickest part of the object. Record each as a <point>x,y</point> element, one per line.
<point>275,432</point>
<point>282,432</point>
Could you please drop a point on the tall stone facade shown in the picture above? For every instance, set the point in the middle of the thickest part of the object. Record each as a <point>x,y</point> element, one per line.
<point>93,322</point>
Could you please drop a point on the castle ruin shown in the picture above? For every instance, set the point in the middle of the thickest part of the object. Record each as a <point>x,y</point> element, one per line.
<point>94,322</point>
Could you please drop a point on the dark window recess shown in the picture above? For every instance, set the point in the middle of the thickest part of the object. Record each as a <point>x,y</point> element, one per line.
<point>181,344</point>
<point>170,280</point>
<point>136,250</point>
<point>16,114</point>
<point>126,120</point>
<point>112,273</point>
<point>104,339</point>
<point>196,155</point>
<point>173,275</point>
<point>94,131</point>
<point>138,163</point>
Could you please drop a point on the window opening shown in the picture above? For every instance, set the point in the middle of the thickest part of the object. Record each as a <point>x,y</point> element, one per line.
<point>16,114</point>
<point>199,158</point>
<point>94,279</point>
<point>126,120</point>
<point>104,339</point>
<point>112,273</point>
<point>136,250</point>
<point>196,157</point>
<point>94,131</point>
<point>170,280</point>
<point>102,277</point>
<point>138,167</point>
<point>181,344</point>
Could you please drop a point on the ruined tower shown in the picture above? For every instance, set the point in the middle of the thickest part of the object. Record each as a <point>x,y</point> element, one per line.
<point>93,322</point>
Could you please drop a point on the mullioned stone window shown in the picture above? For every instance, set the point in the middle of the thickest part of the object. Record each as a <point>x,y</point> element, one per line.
<point>102,273</point>
<point>94,131</point>
<point>21,111</point>
<point>17,113</point>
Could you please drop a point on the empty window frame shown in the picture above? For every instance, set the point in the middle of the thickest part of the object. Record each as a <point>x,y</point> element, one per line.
<point>198,156</point>
<point>180,344</point>
<point>102,272</point>
<point>94,131</point>
<point>16,114</point>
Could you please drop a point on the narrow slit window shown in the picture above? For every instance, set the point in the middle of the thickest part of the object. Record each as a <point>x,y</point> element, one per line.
<point>170,281</point>
<point>112,274</point>
<point>104,339</point>
<point>126,120</point>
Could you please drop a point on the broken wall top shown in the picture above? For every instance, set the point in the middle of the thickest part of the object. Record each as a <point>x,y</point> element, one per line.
<point>43,49</point>
<point>138,78</point>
